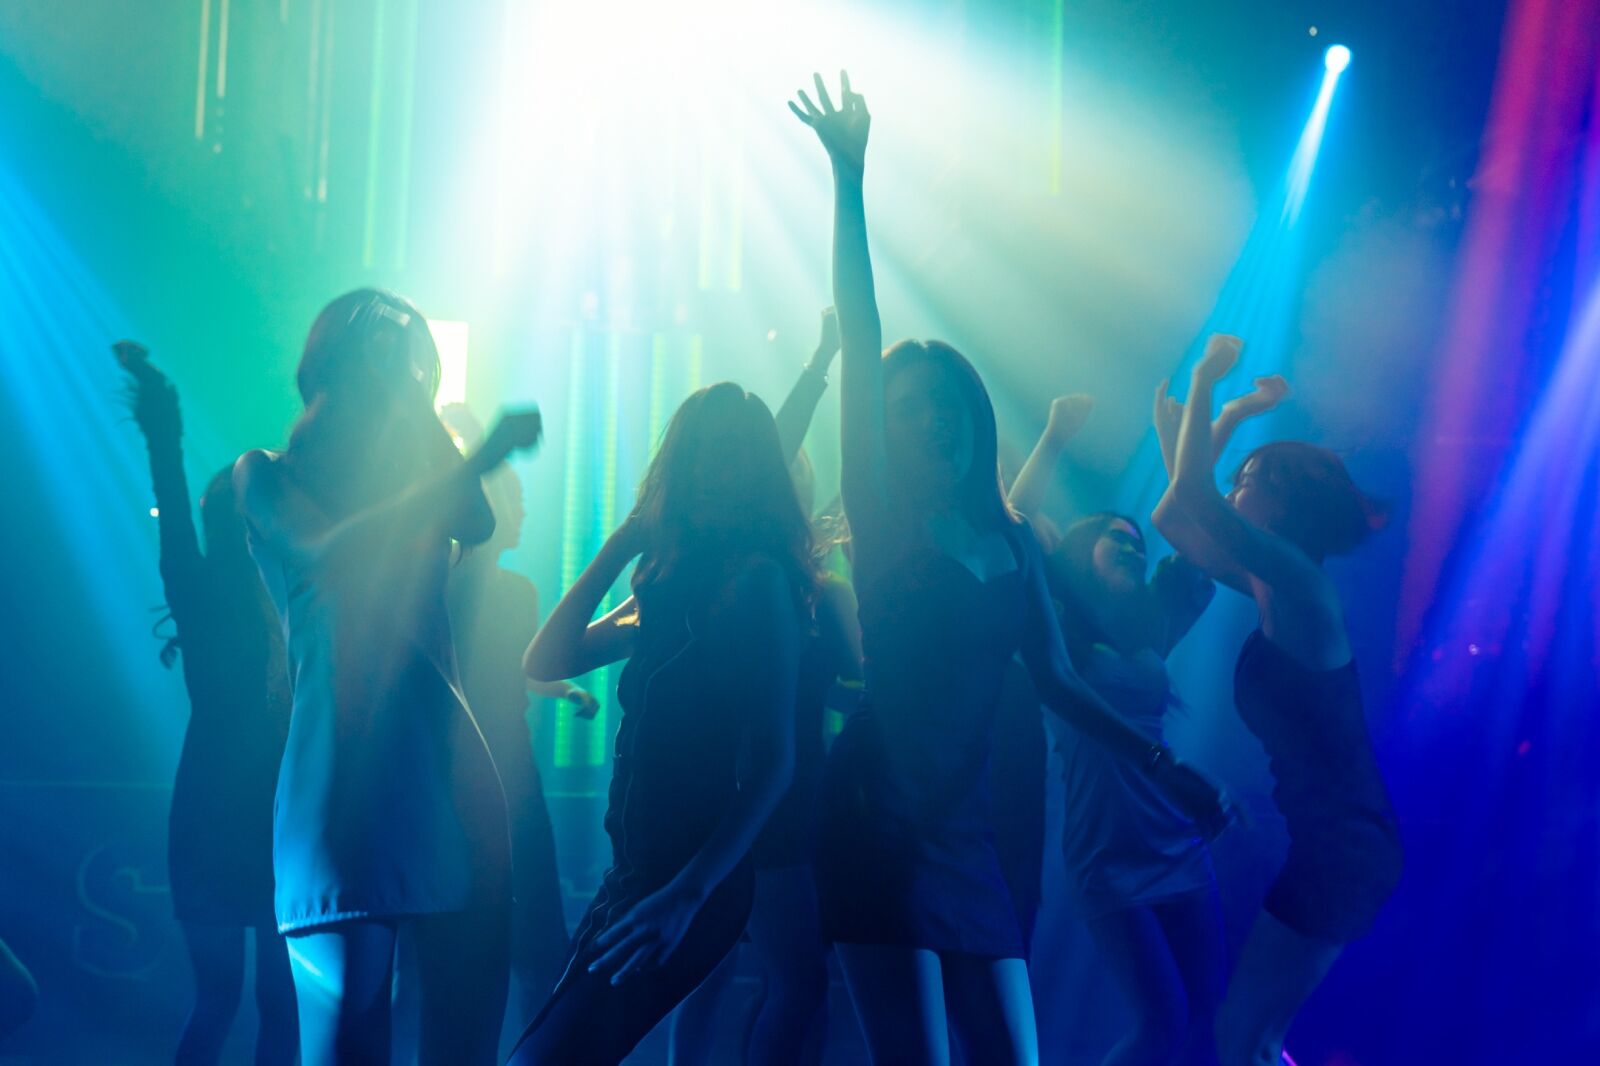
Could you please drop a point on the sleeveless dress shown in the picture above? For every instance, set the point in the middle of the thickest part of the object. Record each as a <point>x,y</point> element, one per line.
<point>388,802</point>
<point>1019,760</point>
<point>907,854</point>
<point>1344,847</point>
<point>675,773</point>
<point>1125,844</point>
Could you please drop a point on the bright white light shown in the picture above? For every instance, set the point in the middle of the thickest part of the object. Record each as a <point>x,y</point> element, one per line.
<point>451,340</point>
<point>155,512</point>
<point>1337,58</point>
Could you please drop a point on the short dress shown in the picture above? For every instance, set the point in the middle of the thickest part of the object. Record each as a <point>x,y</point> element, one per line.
<point>1124,842</point>
<point>907,853</point>
<point>388,803</point>
<point>1344,846</point>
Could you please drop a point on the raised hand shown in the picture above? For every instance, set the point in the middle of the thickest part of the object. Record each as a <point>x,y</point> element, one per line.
<point>828,341</point>
<point>1221,355</point>
<point>842,130</point>
<point>151,395</point>
<point>131,355</point>
<point>516,431</point>
<point>1067,416</point>
<point>1168,412</point>
<point>1268,393</point>
<point>1266,396</point>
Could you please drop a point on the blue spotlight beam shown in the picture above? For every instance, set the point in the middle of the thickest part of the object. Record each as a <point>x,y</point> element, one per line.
<point>88,469</point>
<point>1260,298</point>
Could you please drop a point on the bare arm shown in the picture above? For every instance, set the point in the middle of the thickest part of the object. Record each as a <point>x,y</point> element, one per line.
<point>1193,493</point>
<point>864,486</point>
<point>1066,694</point>
<point>1067,415</point>
<point>1177,526</point>
<point>156,413</point>
<point>285,517</point>
<point>572,642</point>
<point>1060,688</point>
<point>800,406</point>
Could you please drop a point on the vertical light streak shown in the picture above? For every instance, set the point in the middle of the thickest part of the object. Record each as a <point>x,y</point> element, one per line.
<point>205,61</point>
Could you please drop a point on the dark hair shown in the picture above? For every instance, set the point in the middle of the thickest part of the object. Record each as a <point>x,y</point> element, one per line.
<point>346,330</point>
<point>712,426</point>
<point>1070,572</point>
<point>1322,511</point>
<point>982,495</point>
<point>220,518</point>
<point>329,447</point>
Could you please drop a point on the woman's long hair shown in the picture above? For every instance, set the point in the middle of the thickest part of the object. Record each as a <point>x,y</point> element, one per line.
<point>724,437</point>
<point>355,340</point>
<point>981,494</point>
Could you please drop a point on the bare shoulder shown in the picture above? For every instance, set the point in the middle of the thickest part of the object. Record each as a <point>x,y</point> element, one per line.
<point>255,472</point>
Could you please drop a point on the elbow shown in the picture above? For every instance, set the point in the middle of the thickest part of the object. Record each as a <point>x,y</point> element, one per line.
<point>1167,514</point>
<point>539,665</point>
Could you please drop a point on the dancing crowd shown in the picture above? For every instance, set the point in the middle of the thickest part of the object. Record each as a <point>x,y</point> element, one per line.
<point>357,789</point>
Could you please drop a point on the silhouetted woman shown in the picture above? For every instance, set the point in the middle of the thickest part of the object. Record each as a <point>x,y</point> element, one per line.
<point>789,1024</point>
<point>389,809</point>
<point>705,749</point>
<point>951,587</point>
<point>1292,506</point>
<point>219,839</point>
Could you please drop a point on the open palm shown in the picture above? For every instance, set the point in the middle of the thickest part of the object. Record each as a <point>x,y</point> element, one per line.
<point>843,129</point>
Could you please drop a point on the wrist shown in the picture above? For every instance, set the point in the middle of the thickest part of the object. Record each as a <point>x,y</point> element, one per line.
<point>847,171</point>
<point>690,885</point>
<point>1055,441</point>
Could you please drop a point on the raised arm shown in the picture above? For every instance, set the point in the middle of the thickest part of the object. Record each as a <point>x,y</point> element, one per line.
<point>1268,393</point>
<point>759,635</point>
<point>286,518</point>
<point>572,642</point>
<point>1180,529</point>
<point>157,414</point>
<point>1067,416</point>
<point>864,481</point>
<point>1234,544</point>
<point>794,417</point>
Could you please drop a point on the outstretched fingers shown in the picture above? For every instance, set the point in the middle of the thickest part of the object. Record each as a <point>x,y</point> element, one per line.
<point>822,94</point>
<point>852,100</point>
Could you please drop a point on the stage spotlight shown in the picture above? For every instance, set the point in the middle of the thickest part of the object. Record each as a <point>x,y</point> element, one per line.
<point>451,340</point>
<point>1337,58</point>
